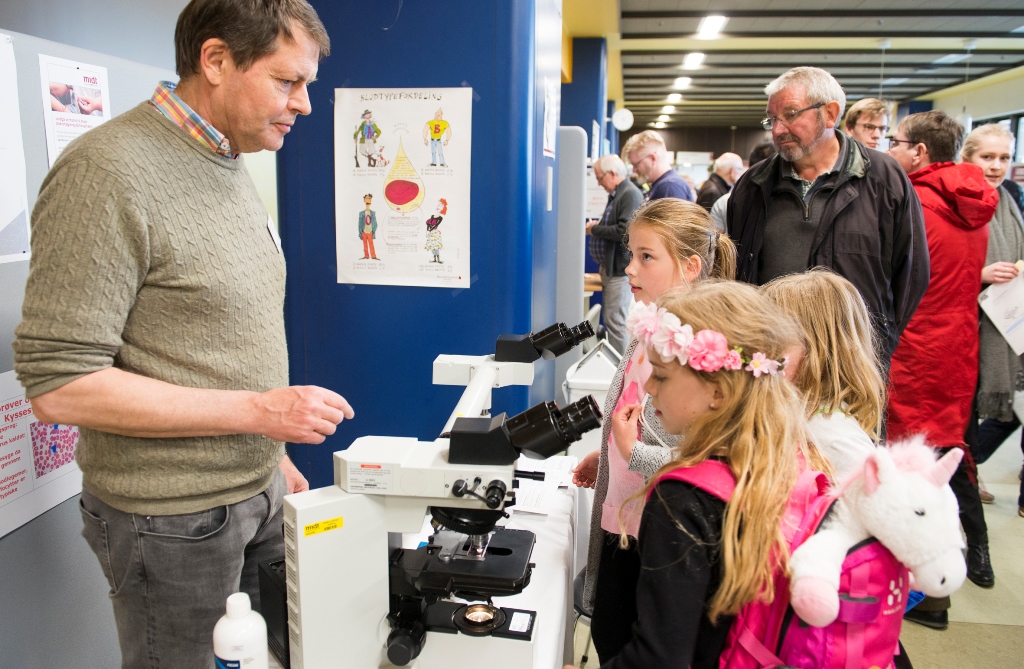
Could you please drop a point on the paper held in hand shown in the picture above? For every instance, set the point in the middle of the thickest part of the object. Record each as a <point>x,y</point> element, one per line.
<point>1003,303</point>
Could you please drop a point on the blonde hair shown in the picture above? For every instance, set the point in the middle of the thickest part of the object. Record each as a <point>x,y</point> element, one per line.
<point>641,140</point>
<point>687,230</point>
<point>973,141</point>
<point>840,370</point>
<point>759,430</point>
<point>866,107</point>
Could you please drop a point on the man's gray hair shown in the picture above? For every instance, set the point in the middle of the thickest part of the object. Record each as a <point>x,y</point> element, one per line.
<point>612,163</point>
<point>818,85</point>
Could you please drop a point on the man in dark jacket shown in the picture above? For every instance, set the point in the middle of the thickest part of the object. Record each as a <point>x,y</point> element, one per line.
<point>727,169</point>
<point>607,248</point>
<point>825,200</point>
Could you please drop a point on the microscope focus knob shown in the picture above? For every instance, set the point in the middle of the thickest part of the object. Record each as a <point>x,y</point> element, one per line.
<point>495,494</point>
<point>405,645</point>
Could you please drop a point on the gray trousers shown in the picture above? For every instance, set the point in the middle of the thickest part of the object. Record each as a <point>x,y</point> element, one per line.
<point>170,576</point>
<point>616,299</point>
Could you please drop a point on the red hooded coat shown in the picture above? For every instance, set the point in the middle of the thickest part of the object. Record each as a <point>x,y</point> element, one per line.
<point>935,367</point>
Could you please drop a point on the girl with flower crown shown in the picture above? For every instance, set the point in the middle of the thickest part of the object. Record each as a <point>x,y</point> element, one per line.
<point>674,245</point>
<point>836,369</point>
<point>717,353</point>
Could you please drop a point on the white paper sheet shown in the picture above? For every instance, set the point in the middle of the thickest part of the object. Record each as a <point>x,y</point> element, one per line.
<point>402,175</point>
<point>76,99</point>
<point>539,496</point>
<point>14,232</point>
<point>1004,305</point>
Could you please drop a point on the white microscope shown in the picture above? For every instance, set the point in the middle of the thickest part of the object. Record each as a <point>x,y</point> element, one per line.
<point>357,599</point>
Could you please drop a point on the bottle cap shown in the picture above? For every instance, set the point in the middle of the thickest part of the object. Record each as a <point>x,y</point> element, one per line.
<point>239,605</point>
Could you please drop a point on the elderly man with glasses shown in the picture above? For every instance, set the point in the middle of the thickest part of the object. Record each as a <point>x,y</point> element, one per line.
<point>825,200</point>
<point>607,248</point>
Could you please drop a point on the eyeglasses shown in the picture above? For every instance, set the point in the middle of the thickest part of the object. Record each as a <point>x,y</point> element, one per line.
<point>893,142</point>
<point>871,128</point>
<point>787,117</point>
<point>601,177</point>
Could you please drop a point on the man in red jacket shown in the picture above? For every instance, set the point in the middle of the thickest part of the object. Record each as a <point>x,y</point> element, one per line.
<point>935,366</point>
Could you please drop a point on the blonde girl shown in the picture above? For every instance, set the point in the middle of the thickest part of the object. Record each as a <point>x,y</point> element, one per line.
<point>837,370</point>
<point>673,244</point>
<point>717,353</point>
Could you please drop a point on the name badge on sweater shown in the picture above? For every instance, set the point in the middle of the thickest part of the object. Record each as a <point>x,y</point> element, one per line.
<point>273,233</point>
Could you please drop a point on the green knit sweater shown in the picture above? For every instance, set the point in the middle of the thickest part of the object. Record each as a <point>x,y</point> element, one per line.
<point>151,253</point>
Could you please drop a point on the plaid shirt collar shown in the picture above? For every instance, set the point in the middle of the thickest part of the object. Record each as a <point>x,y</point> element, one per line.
<point>170,105</point>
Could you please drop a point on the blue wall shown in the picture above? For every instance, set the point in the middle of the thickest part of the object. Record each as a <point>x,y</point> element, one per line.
<point>375,344</point>
<point>583,101</point>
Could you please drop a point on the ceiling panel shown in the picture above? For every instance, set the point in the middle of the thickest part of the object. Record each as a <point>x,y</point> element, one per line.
<point>735,73</point>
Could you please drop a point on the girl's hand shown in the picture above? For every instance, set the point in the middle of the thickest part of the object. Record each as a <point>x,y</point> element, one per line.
<point>585,474</point>
<point>624,429</point>
<point>999,272</point>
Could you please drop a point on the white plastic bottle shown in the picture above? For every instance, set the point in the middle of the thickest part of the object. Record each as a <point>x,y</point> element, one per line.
<point>240,636</point>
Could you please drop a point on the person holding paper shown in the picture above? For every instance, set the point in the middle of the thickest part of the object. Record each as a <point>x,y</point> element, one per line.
<point>1000,372</point>
<point>153,319</point>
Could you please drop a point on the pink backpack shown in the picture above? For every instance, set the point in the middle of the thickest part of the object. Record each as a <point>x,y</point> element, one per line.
<point>872,592</point>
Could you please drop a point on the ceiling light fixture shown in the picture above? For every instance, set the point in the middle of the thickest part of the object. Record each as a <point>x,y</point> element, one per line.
<point>682,83</point>
<point>667,109</point>
<point>675,97</point>
<point>710,26</point>
<point>693,60</point>
<point>659,125</point>
<point>663,117</point>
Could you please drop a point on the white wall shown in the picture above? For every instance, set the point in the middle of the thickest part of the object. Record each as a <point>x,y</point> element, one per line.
<point>138,30</point>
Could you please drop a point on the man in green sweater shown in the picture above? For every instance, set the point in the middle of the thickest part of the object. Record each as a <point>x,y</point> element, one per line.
<point>153,319</point>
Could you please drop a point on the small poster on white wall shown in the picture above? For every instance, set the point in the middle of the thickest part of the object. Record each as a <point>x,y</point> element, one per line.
<point>37,460</point>
<point>76,99</point>
<point>14,242</point>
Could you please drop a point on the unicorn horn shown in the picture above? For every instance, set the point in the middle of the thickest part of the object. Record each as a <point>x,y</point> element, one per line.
<point>940,472</point>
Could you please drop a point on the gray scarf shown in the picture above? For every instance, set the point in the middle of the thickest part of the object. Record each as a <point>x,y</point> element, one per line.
<point>999,368</point>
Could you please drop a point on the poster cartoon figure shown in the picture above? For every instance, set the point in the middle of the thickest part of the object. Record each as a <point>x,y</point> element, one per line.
<point>434,244</point>
<point>365,137</point>
<point>368,228</point>
<point>439,132</point>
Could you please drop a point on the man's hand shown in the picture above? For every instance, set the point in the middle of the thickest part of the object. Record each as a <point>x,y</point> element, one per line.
<point>999,272</point>
<point>296,482</point>
<point>585,474</point>
<point>590,225</point>
<point>300,414</point>
<point>624,429</point>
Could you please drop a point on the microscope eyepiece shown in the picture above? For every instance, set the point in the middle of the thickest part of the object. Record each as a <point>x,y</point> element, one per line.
<point>549,343</point>
<point>544,429</point>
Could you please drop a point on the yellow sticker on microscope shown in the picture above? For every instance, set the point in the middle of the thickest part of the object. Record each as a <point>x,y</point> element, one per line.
<point>324,526</point>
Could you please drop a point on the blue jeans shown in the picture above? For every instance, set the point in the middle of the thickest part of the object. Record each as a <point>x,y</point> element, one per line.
<point>170,576</point>
<point>436,152</point>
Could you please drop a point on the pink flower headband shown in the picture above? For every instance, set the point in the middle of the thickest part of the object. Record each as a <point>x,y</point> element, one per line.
<point>707,351</point>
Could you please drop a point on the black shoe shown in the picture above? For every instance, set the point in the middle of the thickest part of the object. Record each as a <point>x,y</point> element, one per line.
<point>979,566</point>
<point>937,620</point>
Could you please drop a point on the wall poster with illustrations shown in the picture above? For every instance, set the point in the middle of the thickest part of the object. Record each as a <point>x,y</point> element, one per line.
<point>402,179</point>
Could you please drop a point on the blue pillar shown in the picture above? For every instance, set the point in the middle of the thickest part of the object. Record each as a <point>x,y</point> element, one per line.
<point>610,132</point>
<point>375,344</point>
<point>583,101</point>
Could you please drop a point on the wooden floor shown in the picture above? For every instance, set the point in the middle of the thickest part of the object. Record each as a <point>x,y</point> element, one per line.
<point>986,629</point>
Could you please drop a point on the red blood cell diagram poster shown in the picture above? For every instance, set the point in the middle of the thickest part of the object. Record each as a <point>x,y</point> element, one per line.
<point>37,460</point>
<point>402,171</point>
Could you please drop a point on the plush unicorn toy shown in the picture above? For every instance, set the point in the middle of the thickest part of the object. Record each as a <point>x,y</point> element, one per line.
<point>902,498</point>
